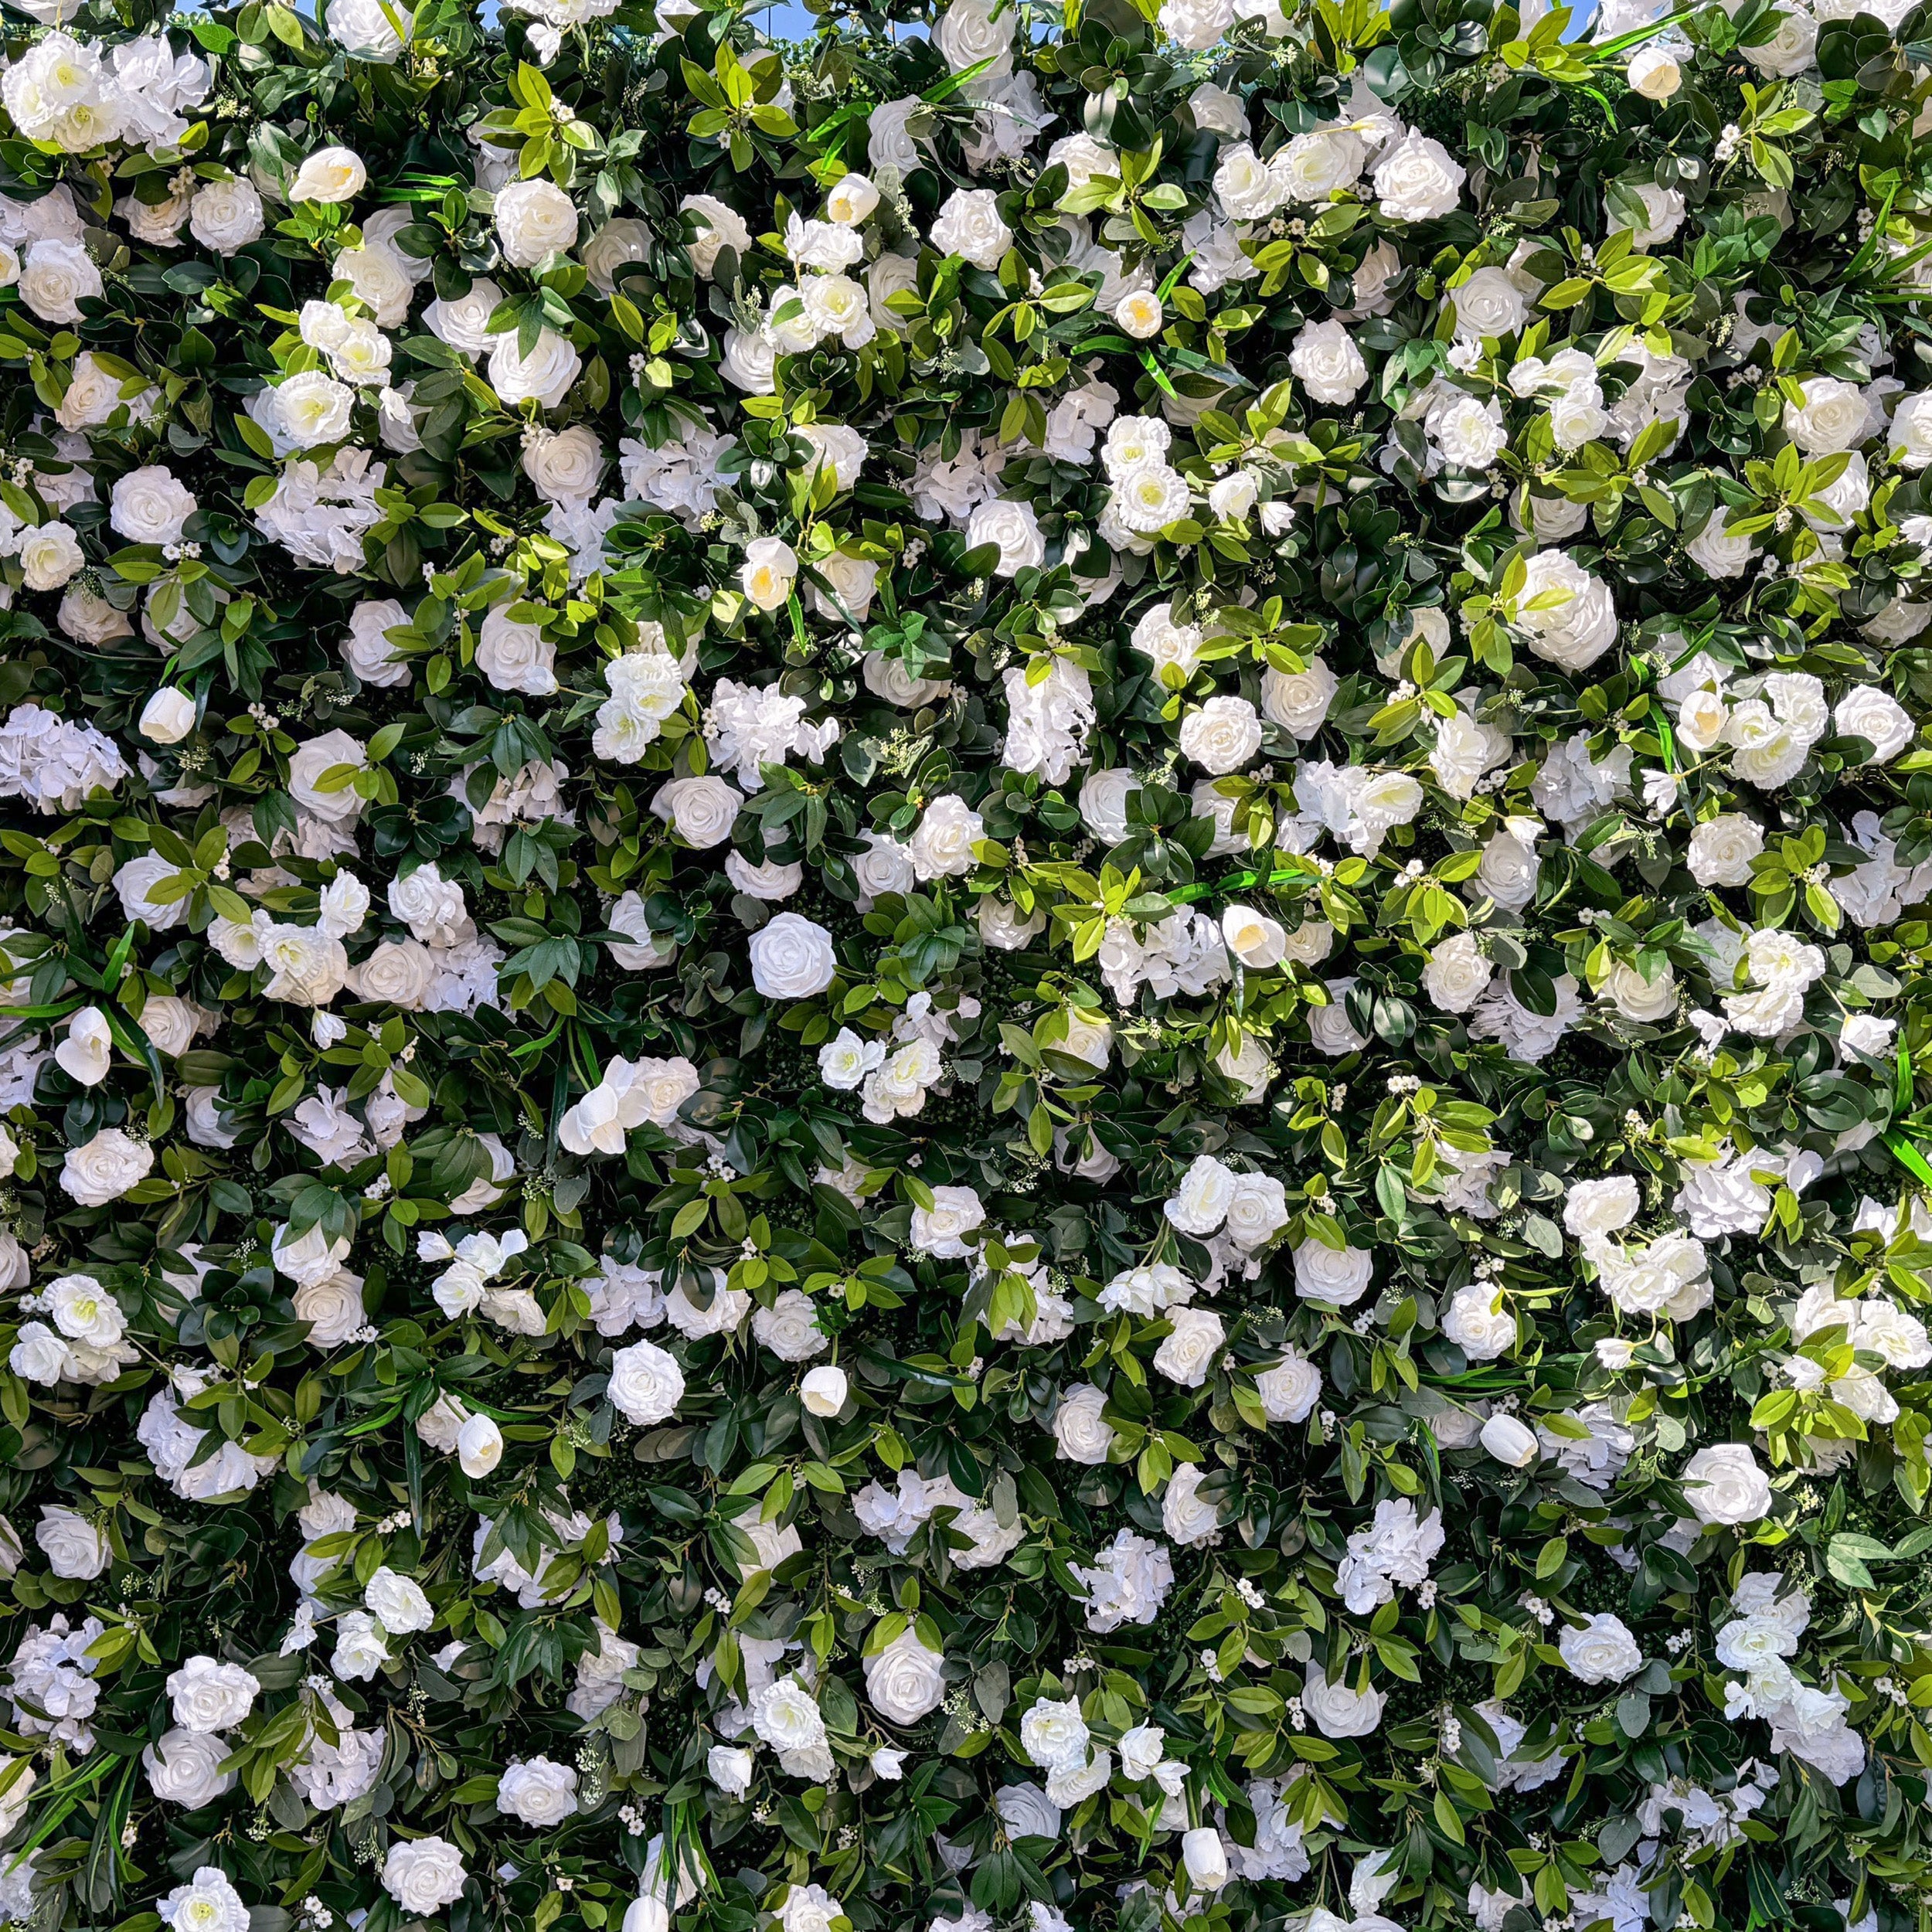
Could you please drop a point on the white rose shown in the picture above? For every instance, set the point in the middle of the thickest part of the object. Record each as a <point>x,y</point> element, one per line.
<point>1600,1650</point>
<point>792,957</point>
<point>208,1695</point>
<point>534,219</point>
<point>57,275</point>
<point>729,1767</point>
<point>537,1792</point>
<point>311,760</point>
<point>1489,304</point>
<point>1200,1203</point>
<point>183,1768</point>
<point>73,1546</point>
<point>226,216</point>
<point>423,1875</point>
<point>1723,1484</point>
<point>544,375</point>
<point>1457,975</point>
<point>329,175</point>
<point>1339,1711</point>
<point>516,656</point>
<point>462,321</point>
<point>1337,1278</point>
<point>904,1681</point>
<point>1186,1354</point>
<point>1224,735</point>
<point>1578,624</point>
<point>720,227</point>
<point>105,1167</point>
<point>1298,701</point>
<point>1080,1428</point>
<point>942,845</point>
<point>1315,165</point>
<point>1831,418</point>
<point>646,1383</point>
<point>1722,849</point>
<point>332,1307</point>
<point>700,810</point>
<point>750,362</point>
<point>1186,1515</point>
<point>1247,188</point>
<point>1479,1321</point>
<point>941,1229</point>
<point>149,506</point>
<point>1014,529</point>
<point>1289,1390</point>
<point>969,32</point>
<point>564,467</point>
<point>1418,180</point>
<point>50,556</point>
<point>167,717</point>
<point>1867,712</point>
<point>969,223</point>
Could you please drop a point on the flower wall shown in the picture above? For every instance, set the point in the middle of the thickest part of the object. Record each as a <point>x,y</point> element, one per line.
<point>968,980</point>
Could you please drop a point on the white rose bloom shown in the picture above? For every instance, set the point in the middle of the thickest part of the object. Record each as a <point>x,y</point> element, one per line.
<point>1568,615</point>
<point>1600,1650</point>
<point>50,556</point>
<point>147,506</point>
<point>516,656</point>
<point>74,1547</point>
<point>545,375</point>
<point>423,1875</point>
<point>904,1681</point>
<point>105,1167</point>
<point>646,1383</point>
<point>941,1230</point>
<point>56,275</point>
<point>1479,1321</point>
<point>700,810</point>
<point>226,216</point>
<point>537,1792</point>
<point>1338,1278</point>
<point>1187,1353</point>
<point>969,223</point>
<point>792,957</point>
<point>183,1768</point>
<point>1723,1484</point>
<point>1456,974</point>
<point>1013,528</point>
<point>1339,1710</point>
<point>534,219</point>
<point>1418,180</point>
<point>1831,417</point>
<point>329,175</point>
<point>1867,712</point>
<point>1223,736</point>
<point>1080,1429</point>
<point>208,1695</point>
